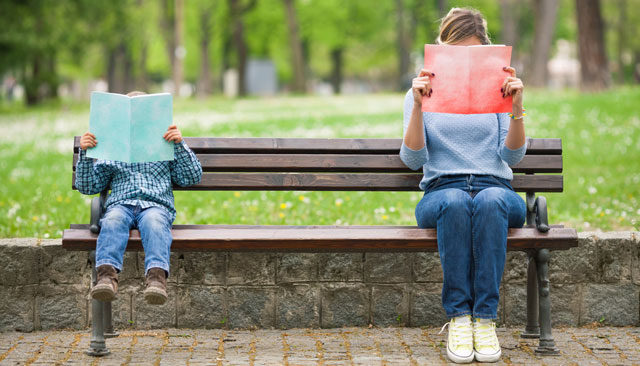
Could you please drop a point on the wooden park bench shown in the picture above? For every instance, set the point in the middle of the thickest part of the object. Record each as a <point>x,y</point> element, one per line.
<point>301,164</point>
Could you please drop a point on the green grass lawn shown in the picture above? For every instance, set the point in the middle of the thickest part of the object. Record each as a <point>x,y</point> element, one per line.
<point>600,133</point>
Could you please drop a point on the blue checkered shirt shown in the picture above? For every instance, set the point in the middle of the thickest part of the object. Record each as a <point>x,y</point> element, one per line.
<point>144,184</point>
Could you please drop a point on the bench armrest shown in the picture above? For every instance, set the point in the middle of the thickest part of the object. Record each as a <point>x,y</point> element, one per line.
<point>97,210</point>
<point>537,209</point>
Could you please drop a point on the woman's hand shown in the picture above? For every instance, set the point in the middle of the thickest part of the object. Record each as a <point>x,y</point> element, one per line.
<point>421,86</point>
<point>87,141</point>
<point>513,86</point>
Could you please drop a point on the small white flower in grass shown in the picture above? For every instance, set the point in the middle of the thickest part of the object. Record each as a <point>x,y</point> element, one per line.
<point>592,190</point>
<point>339,202</point>
<point>46,235</point>
<point>607,211</point>
<point>392,209</point>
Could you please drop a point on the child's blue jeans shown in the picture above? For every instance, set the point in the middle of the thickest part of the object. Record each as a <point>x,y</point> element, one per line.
<point>154,224</point>
<point>471,214</point>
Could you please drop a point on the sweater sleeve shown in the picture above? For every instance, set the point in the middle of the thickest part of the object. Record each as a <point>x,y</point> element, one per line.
<point>185,168</point>
<point>413,159</point>
<point>91,178</point>
<point>511,157</point>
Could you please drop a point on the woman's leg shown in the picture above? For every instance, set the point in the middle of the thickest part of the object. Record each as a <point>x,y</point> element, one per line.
<point>494,211</point>
<point>114,235</point>
<point>449,211</point>
<point>154,224</point>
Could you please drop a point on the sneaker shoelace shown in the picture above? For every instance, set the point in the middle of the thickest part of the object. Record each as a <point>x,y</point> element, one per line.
<point>485,337</point>
<point>460,334</point>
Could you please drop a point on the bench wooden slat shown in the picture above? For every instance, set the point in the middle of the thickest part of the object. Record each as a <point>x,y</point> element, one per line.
<point>342,182</point>
<point>363,238</point>
<point>267,145</point>
<point>341,163</point>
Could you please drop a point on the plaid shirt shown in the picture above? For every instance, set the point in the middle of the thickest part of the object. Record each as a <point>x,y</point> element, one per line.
<point>146,184</point>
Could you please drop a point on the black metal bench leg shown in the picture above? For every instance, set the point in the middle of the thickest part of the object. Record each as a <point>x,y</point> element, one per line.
<point>109,331</point>
<point>532,330</point>
<point>547,345</point>
<point>97,347</point>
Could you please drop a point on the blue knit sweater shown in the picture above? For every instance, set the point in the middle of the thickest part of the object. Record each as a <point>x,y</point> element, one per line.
<point>461,144</point>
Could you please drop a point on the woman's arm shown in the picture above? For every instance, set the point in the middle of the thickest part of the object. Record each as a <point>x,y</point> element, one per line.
<point>414,134</point>
<point>514,87</point>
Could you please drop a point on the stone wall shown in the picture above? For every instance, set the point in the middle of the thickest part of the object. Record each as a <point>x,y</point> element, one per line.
<point>42,286</point>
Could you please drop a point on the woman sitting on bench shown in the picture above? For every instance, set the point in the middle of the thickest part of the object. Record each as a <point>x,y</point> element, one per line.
<point>468,196</point>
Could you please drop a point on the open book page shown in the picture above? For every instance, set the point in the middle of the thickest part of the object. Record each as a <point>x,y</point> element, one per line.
<point>151,116</point>
<point>130,129</point>
<point>468,79</point>
<point>109,121</point>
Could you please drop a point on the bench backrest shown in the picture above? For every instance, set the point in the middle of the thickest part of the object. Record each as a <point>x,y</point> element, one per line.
<point>304,164</point>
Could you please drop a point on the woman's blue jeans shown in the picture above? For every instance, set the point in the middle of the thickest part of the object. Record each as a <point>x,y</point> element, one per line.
<point>471,214</point>
<point>154,224</point>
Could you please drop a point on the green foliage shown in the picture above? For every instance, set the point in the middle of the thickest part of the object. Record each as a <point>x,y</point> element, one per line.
<point>600,136</point>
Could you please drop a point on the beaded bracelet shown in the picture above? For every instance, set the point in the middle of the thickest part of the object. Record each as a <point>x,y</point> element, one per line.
<point>521,117</point>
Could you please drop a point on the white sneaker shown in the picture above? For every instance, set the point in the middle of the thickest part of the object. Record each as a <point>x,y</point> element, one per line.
<point>460,339</point>
<point>485,341</point>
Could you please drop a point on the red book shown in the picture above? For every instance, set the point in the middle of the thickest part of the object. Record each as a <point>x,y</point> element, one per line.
<point>467,79</point>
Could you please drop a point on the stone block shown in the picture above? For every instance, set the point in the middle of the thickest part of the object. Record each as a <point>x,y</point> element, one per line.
<point>427,267</point>
<point>345,304</point>
<point>565,304</point>
<point>61,306</point>
<point>121,310</point>
<point>616,257</point>
<point>60,266</point>
<point>146,316</point>
<point>251,269</point>
<point>426,305</point>
<point>611,304</point>
<point>201,307</point>
<point>389,305</point>
<point>297,267</point>
<point>387,267</point>
<point>17,308</point>
<point>635,262</point>
<point>298,306</point>
<point>515,268</point>
<point>201,268</point>
<point>19,259</point>
<point>341,267</point>
<point>576,265</point>
<point>251,307</point>
<point>132,268</point>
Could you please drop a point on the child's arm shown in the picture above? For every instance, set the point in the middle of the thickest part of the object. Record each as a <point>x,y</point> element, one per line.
<point>185,168</point>
<point>90,178</point>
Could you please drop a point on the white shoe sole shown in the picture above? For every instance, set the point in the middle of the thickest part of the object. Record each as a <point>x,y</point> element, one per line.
<point>488,358</point>
<point>458,359</point>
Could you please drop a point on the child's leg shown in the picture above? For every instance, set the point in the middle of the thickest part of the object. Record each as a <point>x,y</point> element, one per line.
<point>114,235</point>
<point>154,224</point>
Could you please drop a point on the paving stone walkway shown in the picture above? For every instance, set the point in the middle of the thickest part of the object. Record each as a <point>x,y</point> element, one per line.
<point>342,346</point>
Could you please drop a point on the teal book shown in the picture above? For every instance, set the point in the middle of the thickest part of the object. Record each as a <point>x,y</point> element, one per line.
<point>130,129</point>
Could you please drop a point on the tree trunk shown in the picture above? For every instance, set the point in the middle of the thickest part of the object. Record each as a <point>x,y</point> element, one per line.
<point>622,39</point>
<point>593,60</point>
<point>403,45</point>
<point>141,79</point>
<point>442,8</point>
<point>239,44</point>
<point>167,27</point>
<point>545,21</point>
<point>297,60</point>
<point>204,80</point>
<point>509,16</point>
<point>336,70</point>
<point>179,51</point>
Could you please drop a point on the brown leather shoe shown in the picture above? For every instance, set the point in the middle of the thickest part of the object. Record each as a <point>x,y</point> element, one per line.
<point>156,292</point>
<point>107,285</point>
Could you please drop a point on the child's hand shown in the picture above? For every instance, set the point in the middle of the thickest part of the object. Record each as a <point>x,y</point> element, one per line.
<point>173,134</point>
<point>87,141</point>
